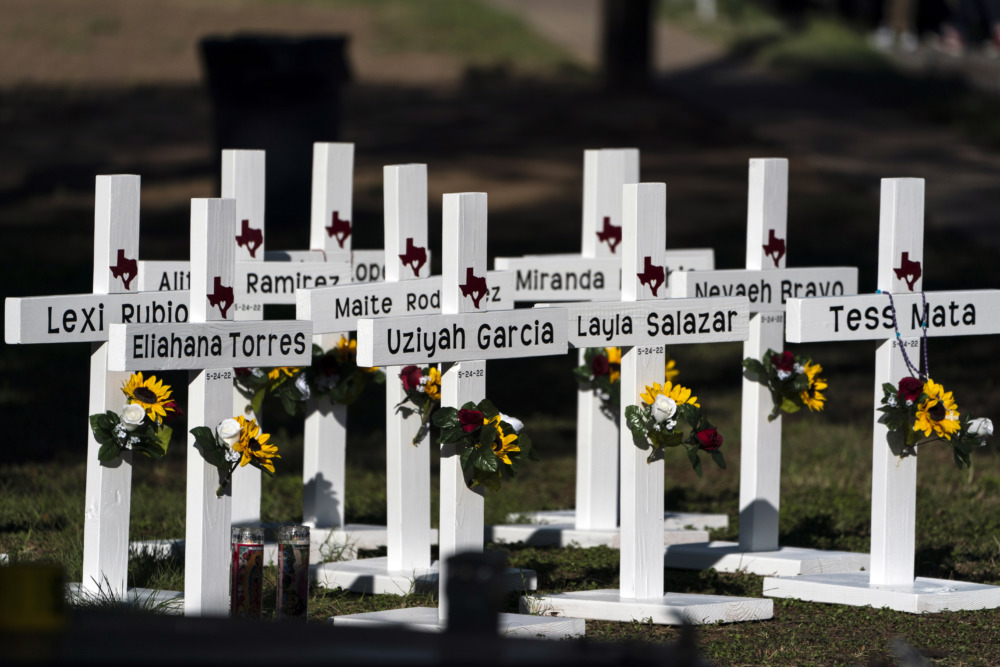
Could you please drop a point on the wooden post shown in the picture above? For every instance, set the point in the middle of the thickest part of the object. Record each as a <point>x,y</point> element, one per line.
<point>641,595</point>
<point>109,485</point>
<point>768,283</point>
<point>243,180</point>
<point>595,275</point>
<point>325,439</point>
<point>870,317</point>
<point>209,346</point>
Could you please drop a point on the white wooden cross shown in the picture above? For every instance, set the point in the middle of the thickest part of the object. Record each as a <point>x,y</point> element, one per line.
<point>595,275</point>
<point>890,582</point>
<point>87,318</point>
<point>408,290</point>
<point>210,345</point>
<point>266,277</point>
<point>643,324</point>
<point>466,336</point>
<point>768,285</point>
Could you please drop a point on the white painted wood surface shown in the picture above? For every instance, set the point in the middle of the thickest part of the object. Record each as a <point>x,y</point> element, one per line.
<point>509,625</point>
<point>208,517</point>
<point>891,581</point>
<point>324,461</point>
<point>644,242</point>
<point>641,588</point>
<point>460,528</point>
<point>408,480</point>
<point>605,171</point>
<point>332,200</point>
<point>461,337</point>
<point>760,454</point>
<point>768,284</point>
<point>340,309</point>
<point>244,180</point>
<point>219,344</point>
<point>108,491</point>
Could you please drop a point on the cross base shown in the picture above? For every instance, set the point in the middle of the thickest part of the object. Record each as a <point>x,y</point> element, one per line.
<point>671,520</point>
<point>167,602</point>
<point>372,576</point>
<point>509,625</point>
<point>923,596</point>
<point>670,609</point>
<point>782,562</point>
<point>565,534</point>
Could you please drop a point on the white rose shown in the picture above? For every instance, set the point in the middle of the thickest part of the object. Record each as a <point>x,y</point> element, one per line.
<point>663,408</point>
<point>981,428</point>
<point>229,431</point>
<point>302,384</point>
<point>132,416</point>
<point>513,421</point>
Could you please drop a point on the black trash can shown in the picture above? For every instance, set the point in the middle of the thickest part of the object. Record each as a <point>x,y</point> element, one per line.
<point>279,94</point>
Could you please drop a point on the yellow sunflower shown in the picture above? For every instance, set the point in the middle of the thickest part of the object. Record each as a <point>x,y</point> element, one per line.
<point>939,413</point>
<point>346,349</point>
<point>433,386</point>
<point>670,371</point>
<point>277,372</point>
<point>676,392</point>
<point>504,443</point>
<point>151,394</point>
<point>811,397</point>
<point>614,363</point>
<point>253,445</point>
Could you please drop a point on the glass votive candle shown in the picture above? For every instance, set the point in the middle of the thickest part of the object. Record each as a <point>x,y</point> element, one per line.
<point>246,572</point>
<point>293,573</point>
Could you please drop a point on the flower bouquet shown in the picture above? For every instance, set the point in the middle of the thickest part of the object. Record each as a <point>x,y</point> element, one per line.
<point>334,373</point>
<point>601,371</point>
<point>488,442</point>
<point>235,442</point>
<point>794,381</point>
<point>655,422</point>
<point>423,396</point>
<point>140,426</point>
<point>923,412</point>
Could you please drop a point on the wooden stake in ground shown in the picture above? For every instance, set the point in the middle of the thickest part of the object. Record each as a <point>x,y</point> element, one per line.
<point>768,284</point>
<point>87,318</point>
<point>901,299</point>
<point>462,338</point>
<point>210,346</point>
<point>644,324</point>
<point>595,275</point>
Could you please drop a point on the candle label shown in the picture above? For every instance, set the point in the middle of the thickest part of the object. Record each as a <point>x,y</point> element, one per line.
<point>293,580</point>
<point>248,579</point>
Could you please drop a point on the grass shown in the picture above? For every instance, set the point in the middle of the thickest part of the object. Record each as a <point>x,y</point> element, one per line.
<point>825,504</point>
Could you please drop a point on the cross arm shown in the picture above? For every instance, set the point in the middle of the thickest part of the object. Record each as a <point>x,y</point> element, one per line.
<point>657,322</point>
<point>870,316</point>
<point>420,339</point>
<point>767,290</point>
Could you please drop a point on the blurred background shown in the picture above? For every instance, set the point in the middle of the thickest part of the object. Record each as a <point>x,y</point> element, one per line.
<point>500,96</point>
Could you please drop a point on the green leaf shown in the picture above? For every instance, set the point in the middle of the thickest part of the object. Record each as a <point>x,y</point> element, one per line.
<point>488,480</point>
<point>162,438</point>
<point>790,406</point>
<point>889,388</point>
<point>466,456</point>
<point>661,439</point>
<point>208,446</point>
<point>719,459</point>
<point>635,421</point>
<point>257,402</point>
<point>690,414</point>
<point>692,452</point>
<point>483,458</point>
<point>452,435</point>
<point>108,452</point>
<point>487,408</point>
<point>582,374</point>
<point>445,418</point>
<point>487,434</point>
<point>754,370</point>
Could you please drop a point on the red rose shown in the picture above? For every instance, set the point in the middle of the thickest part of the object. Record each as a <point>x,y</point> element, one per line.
<point>470,420</point>
<point>327,365</point>
<point>709,439</point>
<point>784,361</point>
<point>599,365</point>
<point>410,376</point>
<point>910,388</point>
<point>241,372</point>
